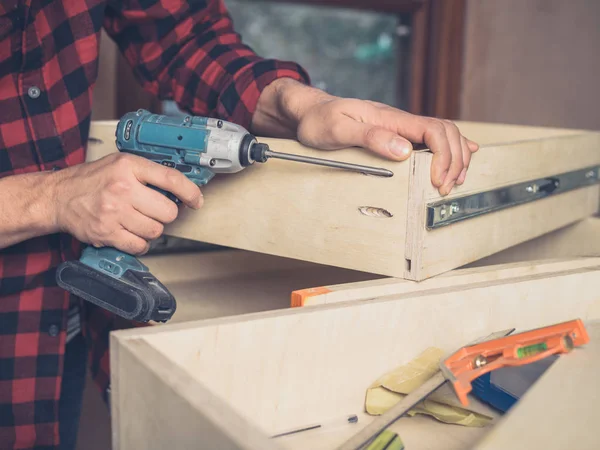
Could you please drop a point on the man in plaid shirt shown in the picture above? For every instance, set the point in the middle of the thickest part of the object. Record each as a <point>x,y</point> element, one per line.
<point>51,201</point>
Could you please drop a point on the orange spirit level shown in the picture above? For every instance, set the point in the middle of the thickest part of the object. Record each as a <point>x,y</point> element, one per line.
<point>500,349</point>
<point>471,362</point>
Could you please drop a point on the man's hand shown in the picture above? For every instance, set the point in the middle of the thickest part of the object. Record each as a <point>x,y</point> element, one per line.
<point>290,109</point>
<point>107,202</point>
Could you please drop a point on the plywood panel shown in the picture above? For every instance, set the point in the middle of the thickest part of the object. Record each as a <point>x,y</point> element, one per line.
<point>232,282</point>
<point>579,239</point>
<point>300,211</point>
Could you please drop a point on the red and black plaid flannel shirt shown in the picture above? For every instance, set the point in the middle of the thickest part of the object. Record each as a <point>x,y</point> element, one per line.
<point>181,50</point>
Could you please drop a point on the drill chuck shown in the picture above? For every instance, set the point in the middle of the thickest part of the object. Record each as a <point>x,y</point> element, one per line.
<point>259,152</point>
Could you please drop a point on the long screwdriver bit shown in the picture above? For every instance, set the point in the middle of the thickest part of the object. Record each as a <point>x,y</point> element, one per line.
<point>261,152</point>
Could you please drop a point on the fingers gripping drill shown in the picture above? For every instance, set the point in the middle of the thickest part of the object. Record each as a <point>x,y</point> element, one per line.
<point>198,147</point>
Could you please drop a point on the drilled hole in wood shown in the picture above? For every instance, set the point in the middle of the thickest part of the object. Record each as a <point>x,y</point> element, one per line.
<point>372,211</point>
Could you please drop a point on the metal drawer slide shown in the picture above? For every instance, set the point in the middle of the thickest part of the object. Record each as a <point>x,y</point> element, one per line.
<point>446,212</point>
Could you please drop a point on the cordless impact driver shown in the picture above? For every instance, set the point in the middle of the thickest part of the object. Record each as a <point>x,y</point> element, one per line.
<point>199,148</point>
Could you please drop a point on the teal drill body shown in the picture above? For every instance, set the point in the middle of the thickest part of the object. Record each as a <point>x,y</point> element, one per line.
<point>198,147</point>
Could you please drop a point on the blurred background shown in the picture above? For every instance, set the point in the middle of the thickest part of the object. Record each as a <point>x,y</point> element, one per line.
<point>529,62</point>
<point>532,62</point>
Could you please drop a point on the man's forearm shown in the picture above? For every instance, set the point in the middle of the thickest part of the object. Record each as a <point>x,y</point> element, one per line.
<point>282,104</point>
<point>26,207</point>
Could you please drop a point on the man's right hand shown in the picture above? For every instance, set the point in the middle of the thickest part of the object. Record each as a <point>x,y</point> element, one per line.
<point>107,202</point>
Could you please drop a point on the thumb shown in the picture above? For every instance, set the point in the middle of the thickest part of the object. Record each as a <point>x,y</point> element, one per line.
<point>383,142</point>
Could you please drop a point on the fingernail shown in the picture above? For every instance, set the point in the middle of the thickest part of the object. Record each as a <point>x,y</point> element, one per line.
<point>447,188</point>
<point>462,176</point>
<point>441,179</point>
<point>399,148</point>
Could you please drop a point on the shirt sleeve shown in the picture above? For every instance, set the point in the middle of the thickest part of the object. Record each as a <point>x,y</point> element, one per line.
<point>189,52</point>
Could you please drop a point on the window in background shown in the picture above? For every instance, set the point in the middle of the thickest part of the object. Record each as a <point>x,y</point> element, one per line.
<point>347,52</point>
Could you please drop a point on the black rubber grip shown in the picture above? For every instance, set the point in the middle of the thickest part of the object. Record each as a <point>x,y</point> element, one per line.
<point>167,194</point>
<point>136,296</point>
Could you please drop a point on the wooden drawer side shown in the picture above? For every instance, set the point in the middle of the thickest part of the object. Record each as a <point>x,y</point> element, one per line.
<point>579,239</point>
<point>476,274</point>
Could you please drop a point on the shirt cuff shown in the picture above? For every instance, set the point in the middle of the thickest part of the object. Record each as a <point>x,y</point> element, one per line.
<point>240,95</point>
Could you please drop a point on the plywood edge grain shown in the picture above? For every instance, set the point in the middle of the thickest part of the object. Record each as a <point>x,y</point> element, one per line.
<point>480,274</point>
<point>419,178</point>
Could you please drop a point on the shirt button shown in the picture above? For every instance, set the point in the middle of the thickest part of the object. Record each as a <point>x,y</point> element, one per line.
<point>53,330</point>
<point>33,92</point>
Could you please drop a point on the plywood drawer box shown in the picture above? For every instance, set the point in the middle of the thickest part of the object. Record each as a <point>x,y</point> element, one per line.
<point>232,382</point>
<point>381,225</point>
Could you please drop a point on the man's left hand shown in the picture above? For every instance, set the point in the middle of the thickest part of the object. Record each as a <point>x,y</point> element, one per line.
<point>319,120</point>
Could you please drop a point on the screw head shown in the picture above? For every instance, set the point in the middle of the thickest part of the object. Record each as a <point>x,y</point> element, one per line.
<point>568,342</point>
<point>33,92</point>
<point>480,361</point>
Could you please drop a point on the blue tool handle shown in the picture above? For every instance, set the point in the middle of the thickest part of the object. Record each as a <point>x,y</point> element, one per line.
<point>119,283</point>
